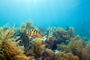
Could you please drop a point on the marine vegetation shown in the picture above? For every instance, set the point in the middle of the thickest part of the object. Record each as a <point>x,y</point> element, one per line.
<point>25,40</point>
<point>69,56</point>
<point>38,47</point>
<point>32,43</point>
<point>77,47</point>
<point>9,49</point>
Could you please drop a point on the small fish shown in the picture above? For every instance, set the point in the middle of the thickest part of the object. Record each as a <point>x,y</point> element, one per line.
<point>34,33</point>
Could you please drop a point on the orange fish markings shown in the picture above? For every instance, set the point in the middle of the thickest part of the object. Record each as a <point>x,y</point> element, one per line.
<point>34,33</point>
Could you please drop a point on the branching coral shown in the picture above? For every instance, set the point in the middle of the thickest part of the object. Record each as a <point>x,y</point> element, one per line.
<point>63,35</point>
<point>69,56</point>
<point>23,26</point>
<point>9,49</point>
<point>77,47</point>
<point>38,47</point>
<point>63,47</point>
<point>48,33</point>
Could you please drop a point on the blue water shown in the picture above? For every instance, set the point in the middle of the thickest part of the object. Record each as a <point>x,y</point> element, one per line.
<point>47,13</point>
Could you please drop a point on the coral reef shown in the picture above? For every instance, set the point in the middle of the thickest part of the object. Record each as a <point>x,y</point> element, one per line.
<point>62,35</point>
<point>52,44</point>
<point>66,56</point>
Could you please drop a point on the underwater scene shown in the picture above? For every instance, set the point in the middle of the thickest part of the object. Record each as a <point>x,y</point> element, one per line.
<point>44,30</point>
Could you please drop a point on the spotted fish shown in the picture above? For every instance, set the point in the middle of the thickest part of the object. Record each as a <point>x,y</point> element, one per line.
<point>34,33</point>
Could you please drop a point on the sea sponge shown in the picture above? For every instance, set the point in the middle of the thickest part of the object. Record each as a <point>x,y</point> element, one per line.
<point>38,47</point>
<point>50,53</point>
<point>9,49</point>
